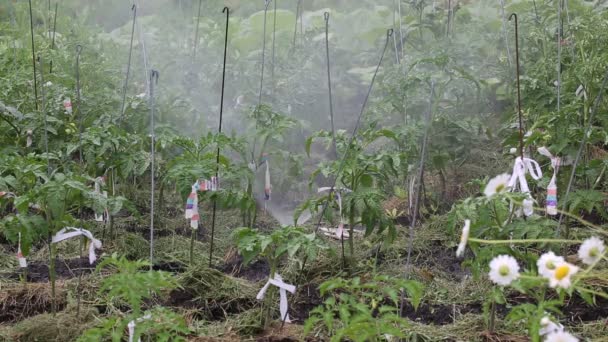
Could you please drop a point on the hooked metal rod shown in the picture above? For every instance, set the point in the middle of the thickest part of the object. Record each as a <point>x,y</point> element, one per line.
<point>217,158</point>
<point>519,113</point>
<point>153,81</point>
<point>126,83</point>
<point>33,56</point>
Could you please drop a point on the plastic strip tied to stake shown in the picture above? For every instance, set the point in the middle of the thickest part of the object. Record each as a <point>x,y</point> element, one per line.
<point>192,201</point>
<point>520,168</point>
<point>70,232</point>
<point>283,288</point>
<point>551,202</point>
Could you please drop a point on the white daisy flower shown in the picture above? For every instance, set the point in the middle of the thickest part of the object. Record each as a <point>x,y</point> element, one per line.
<point>513,150</point>
<point>562,274</point>
<point>560,336</point>
<point>546,264</point>
<point>48,84</point>
<point>547,326</point>
<point>503,270</point>
<point>463,238</point>
<point>497,184</point>
<point>591,250</point>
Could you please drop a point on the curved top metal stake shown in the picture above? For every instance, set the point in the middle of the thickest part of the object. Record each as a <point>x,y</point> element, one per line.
<point>389,33</point>
<point>33,56</point>
<point>331,102</point>
<point>519,114</point>
<point>295,30</point>
<point>77,109</point>
<point>217,157</point>
<point>198,19</point>
<point>126,84</point>
<point>53,36</point>
<point>153,81</point>
<point>266,4</point>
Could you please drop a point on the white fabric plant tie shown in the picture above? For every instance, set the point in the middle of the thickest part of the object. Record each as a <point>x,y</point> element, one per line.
<point>283,288</point>
<point>70,232</point>
<point>28,141</point>
<point>20,257</point>
<point>580,92</point>
<point>551,203</point>
<point>340,230</point>
<point>99,182</point>
<point>131,327</point>
<point>520,168</point>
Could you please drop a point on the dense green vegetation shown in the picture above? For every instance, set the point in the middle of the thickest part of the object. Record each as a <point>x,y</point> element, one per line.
<point>442,239</point>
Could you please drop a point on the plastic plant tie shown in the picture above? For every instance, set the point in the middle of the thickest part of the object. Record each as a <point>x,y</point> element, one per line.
<point>131,327</point>
<point>70,232</point>
<point>520,168</point>
<point>67,105</point>
<point>20,257</point>
<point>283,288</point>
<point>192,201</point>
<point>192,206</point>
<point>551,203</point>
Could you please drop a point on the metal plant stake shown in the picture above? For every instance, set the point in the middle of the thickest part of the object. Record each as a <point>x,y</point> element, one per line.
<point>217,158</point>
<point>33,56</point>
<point>331,113</point>
<point>153,81</point>
<point>126,84</point>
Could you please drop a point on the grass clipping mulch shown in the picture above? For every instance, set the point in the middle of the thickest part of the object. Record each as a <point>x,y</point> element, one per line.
<point>214,294</point>
<point>65,326</point>
<point>19,301</point>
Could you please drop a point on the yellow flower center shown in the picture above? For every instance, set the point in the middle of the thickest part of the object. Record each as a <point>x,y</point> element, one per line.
<point>562,272</point>
<point>550,265</point>
<point>500,187</point>
<point>594,252</point>
<point>504,270</point>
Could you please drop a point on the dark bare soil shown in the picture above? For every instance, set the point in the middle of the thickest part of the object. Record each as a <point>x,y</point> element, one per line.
<point>308,298</point>
<point>256,271</point>
<point>38,272</point>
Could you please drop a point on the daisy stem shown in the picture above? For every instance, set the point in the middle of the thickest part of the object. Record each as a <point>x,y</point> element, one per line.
<point>522,241</point>
<point>496,215</point>
<point>531,277</point>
